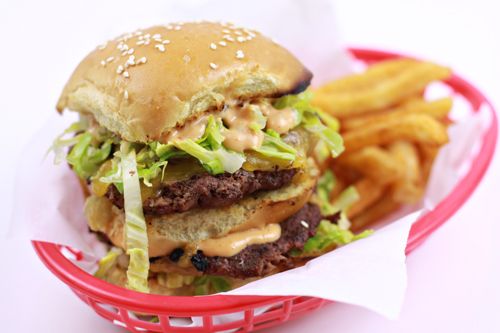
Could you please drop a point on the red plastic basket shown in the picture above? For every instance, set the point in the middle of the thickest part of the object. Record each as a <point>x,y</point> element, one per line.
<point>117,304</point>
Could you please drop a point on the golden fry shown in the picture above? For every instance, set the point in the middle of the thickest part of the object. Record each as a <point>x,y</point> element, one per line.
<point>383,207</point>
<point>428,155</point>
<point>369,78</point>
<point>381,86</point>
<point>409,187</point>
<point>419,128</point>
<point>374,162</point>
<point>369,191</point>
<point>437,109</point>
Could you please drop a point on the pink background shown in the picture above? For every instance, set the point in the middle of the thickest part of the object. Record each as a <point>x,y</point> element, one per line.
<point>453,277</point>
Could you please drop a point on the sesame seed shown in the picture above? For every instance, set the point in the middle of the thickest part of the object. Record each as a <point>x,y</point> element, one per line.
<point>125,94</point>
<point>222,43</point>
<point>119,69</point>
<point>103,63</point>
<point>166,41</point>
<point>240,54</point>
<point>140,42</point>
<point>138,33</point>
<point>237,32</point>
<point>177,27</point>
<point>241,39</point>
<point>142,60</point>
<point>146,42</point>
<point>249,37</point>
<point>169,27</point>
<point>102,46</point>
<point>304,224</point>
<point>130,51</point>
<point>126,74</point>
<point>213,66</point>
<point>228,38</point>
<point>130,61</point>
<point>213,46</point>
<point>226,31</point>
<point>160,47</point>
<point>186,58</point>
<point>147,36</point>
<point>109,59</point>
<point>156,36</point>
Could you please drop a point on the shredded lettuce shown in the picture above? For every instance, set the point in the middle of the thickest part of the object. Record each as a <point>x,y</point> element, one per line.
<point>213,134</point>
<point>85,158</point>
<point>331,138</point>
<point>312,120</point>
<point>135,224</point>
<point>60,142</point>
<point>260,120</point>
<point>348,196</point>
<point>107,262</point>
<point>326,184</point>
<point>214,161</point>
<point>329,235</point>
<point>208,284</point>
<point>274,147</point>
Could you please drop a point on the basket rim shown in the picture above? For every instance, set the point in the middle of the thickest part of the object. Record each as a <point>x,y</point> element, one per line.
<point>105,292</point>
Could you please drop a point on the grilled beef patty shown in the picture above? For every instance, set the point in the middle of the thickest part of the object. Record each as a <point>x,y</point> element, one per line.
<point>208,191</point>
<point>262,259</point>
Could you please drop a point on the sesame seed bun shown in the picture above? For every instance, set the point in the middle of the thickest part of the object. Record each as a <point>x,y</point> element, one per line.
<point>200,224</point>
<point>144,84</point>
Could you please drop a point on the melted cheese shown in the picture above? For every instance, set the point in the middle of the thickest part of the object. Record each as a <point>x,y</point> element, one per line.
<point>234,243</point>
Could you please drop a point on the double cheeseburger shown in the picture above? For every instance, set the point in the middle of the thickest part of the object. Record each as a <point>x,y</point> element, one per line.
<point>195,149</point>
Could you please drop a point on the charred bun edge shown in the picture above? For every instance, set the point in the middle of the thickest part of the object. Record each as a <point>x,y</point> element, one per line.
<point>298,87</point>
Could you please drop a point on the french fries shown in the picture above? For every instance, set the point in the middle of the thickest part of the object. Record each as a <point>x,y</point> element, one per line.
<point>392,135</point>
<point>418,128</point>
<point>428,155</point>
<point>377,211</point>
<point>369,192</point>
<point>374,162</point>
<point>408,188</point>
<point>437,109</point>
<point>381,86</point>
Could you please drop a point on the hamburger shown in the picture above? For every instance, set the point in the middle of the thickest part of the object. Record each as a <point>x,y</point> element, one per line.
<point>198,153</point>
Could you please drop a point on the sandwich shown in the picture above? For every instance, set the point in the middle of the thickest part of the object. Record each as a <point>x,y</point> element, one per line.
<point>199,155</point>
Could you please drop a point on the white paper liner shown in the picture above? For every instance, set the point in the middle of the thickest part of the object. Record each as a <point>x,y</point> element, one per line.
<point>369,273</point>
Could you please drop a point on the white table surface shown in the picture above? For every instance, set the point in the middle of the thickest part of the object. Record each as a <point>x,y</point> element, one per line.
<point>453,276</point>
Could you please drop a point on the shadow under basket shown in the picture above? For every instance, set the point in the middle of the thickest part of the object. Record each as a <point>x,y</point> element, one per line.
<point>249,313</point>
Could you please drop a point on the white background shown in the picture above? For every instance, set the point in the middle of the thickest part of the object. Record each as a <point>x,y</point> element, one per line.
<point>453,277</point>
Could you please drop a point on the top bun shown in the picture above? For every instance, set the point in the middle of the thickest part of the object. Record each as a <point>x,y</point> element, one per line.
<point>144,84</point>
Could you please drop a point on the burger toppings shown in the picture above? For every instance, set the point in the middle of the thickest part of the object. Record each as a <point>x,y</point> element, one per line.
<point>176,254</point>
<point>262,259</point>
<point>225,144</point>
<point>208,191</point>
<point>193,143</point>
<point>199,261</point>
<point>135,224</point>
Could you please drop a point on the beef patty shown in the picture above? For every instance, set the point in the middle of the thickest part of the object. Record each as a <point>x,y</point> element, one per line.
<point>208,191</point>
<point>262,259</point>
